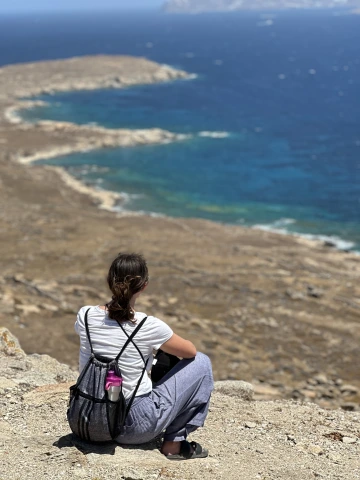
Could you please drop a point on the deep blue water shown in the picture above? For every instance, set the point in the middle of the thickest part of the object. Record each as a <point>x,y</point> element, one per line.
<point>287,92</point>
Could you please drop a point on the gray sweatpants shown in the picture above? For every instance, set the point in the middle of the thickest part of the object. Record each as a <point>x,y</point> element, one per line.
<point>178,404</point>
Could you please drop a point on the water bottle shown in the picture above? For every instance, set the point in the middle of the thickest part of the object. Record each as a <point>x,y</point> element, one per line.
<point>113,385</point>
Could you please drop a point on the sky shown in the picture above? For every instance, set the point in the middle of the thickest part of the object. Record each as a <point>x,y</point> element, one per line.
<point>56,5</point>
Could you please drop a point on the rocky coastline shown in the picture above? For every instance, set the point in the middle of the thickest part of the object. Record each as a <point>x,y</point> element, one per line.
<point>28,80</point>
<point>201,6</point>
<point>280,312</point>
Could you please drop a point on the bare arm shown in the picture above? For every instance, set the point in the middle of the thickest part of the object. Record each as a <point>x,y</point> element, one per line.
<point>179,347</point>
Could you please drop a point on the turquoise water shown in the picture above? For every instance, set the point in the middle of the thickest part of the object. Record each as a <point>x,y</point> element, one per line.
<point>284,96</point>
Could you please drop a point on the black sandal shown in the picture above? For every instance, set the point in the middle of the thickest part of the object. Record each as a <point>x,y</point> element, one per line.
<point>188,451</point>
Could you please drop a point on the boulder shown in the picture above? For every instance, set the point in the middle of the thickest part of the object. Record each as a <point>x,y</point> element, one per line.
<point>235,388</point>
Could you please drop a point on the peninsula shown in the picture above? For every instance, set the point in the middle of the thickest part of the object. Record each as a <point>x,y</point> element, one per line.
<point>199,6</point>
<point>281,312</point>
<point>46,139</point>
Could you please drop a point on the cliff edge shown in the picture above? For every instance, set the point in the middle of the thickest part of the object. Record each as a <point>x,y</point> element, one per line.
<point>246,439</point>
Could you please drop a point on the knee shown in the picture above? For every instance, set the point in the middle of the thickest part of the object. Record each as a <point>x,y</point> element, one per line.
<point>204,361</point>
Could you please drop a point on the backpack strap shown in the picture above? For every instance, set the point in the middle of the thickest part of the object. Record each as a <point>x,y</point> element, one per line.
<point>136,389</point>
<point>130,339</point>
<point>88,331</point>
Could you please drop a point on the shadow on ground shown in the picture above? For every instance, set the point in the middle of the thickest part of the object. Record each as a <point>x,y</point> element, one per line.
<point>84,447</point>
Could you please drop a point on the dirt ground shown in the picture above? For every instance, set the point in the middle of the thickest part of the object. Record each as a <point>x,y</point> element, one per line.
<point>250,440</point>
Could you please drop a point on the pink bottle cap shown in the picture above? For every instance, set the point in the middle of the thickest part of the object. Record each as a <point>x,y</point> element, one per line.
<point>112,380</point>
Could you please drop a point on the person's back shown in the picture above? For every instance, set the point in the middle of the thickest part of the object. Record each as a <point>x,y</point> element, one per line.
<point>108,340</point>
<point>179,402</point>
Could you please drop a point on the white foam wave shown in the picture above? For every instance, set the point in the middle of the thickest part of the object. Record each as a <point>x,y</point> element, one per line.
<point>214,134</point>
<point>338,242</point>
<point>123,207</point>
<point>155,214</point>
<point>282,222</point>
<point>279,226</point>
<point>131,196</point>
<point>191,76</point>
<point>13,113</point>
<point>266,23</point>
<point>86,169</point>
<point>125,211</point>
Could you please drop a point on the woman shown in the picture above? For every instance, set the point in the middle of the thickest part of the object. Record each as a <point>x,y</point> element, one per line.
<point>178,404</point>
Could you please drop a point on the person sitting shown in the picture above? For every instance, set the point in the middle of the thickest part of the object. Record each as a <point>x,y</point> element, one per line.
<point>178,403</point>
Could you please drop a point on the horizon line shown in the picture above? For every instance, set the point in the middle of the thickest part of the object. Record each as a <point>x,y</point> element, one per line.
<point>82,10</point>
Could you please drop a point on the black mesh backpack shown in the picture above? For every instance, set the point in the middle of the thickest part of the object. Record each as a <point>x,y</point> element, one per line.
<point>91,414</point>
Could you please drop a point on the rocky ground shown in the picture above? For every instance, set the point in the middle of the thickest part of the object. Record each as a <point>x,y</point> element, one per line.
<point>278,311</point>
<point>269,440</point>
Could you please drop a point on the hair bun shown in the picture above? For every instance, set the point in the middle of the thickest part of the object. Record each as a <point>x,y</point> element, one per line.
<point>128,275</point>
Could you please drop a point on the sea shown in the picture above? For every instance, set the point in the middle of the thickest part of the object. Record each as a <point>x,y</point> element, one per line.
<point>272,112</point>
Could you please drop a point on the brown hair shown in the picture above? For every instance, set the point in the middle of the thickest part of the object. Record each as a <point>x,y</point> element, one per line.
<point>128,275</point>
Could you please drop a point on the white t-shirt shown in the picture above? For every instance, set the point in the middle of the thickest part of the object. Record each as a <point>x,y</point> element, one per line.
<point>108,338</point>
